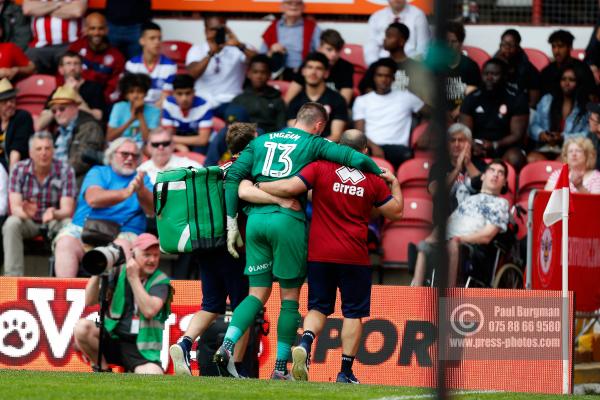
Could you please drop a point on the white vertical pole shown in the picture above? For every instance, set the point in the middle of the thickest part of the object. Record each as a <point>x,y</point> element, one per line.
<point>565,289</point>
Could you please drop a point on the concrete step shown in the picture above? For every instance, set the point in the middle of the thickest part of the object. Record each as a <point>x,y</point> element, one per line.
<point>587,373</point>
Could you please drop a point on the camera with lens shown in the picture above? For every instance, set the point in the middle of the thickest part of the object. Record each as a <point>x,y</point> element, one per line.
<point>102,260</point>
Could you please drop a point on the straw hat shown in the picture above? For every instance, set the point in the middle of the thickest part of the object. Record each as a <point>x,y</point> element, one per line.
<point>64,95</point>
<point>7,91</point>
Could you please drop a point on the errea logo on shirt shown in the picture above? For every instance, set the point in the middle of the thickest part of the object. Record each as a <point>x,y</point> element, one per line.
<point>349,175</point>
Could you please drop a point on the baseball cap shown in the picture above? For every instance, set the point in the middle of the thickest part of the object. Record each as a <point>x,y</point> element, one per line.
<point>594,107</point>
<point>144,241</point>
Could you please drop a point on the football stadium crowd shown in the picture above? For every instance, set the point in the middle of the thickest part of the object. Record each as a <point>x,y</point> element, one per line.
<point>93,105</point>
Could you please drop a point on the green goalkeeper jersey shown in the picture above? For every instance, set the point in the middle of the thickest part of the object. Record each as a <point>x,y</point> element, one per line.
<point>283,154</point>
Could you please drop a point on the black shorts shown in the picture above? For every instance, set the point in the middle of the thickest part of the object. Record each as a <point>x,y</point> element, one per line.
<point>222,276</point>
<point>123,351</point>
<point>354,282</point>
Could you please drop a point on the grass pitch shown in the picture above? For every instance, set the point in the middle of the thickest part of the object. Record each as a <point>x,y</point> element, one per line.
<point>84,386</point>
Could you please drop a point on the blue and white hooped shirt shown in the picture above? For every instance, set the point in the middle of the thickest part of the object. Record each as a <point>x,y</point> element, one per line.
<point>198,116</point>
<point>162,75</point>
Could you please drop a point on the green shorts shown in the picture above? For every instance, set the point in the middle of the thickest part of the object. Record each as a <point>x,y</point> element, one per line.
<point>266,280</point>
<point>276,243</point>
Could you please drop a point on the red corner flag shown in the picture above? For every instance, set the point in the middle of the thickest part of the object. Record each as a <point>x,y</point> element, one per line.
<point>558,201</point>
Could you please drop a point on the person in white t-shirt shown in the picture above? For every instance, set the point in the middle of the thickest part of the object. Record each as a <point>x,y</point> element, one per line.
<point>385,115</point>
<point>218,65</point>
<point>398,11</point>
<point>160,147</point>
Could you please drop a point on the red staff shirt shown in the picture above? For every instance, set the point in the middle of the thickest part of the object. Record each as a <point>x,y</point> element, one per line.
<point>12,56</point>
<point>342,201</point>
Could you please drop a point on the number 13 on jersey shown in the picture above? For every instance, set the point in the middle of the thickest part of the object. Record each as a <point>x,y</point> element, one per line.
<point>284,158</point>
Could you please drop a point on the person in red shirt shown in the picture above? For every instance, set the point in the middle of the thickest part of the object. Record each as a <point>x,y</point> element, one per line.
<point>13,61</point>
<point>343,199</point>
<point>102,63</point>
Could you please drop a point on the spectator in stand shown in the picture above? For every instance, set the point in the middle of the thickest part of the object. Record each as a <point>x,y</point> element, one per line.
<point>102,63</point>
<point>16,127</point>
<point>159,68</point>
<point>521,74</point>
<point>3,205</point>
<point>341,72</point>
<point>16,27</point>
<point>594,128</point>
<point>113,192</point>
<point>289,39</point>
<point>562,45</point>
<point>89,94</point>
<point>579,153</point>
<point>133,117</point>
<point>398,11</point>
<point>262,102</point>
<point>463,168</point>
<point>219,68</point>
<point>160,148</point>
<point>42,194</point>
<point>78,132</point>
<point>497,116</point>
<point>476,221</point>
<point>13,62</point>
<point>314,71</point>
<point>464,76</point>
<point>187,116</point>
<point>559,115</point>
<point>385,115</point>
<point>410,75</point>
<point>125,20</point>
<point>55,24</point>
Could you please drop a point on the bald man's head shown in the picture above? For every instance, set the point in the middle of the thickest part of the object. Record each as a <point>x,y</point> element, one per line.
<point>355,139</point>
<point>96,31</point>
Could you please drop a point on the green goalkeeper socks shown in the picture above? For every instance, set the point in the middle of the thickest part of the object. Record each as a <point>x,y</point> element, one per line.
<point>243,317</point>
<point>287,327</point>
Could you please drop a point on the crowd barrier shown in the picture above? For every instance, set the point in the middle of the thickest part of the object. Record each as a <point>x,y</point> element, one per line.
<point>37,316</point>
<point>337,7</point>
<point>584,250</point>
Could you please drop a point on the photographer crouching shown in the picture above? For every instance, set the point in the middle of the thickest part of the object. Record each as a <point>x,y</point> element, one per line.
<point>139,299</point>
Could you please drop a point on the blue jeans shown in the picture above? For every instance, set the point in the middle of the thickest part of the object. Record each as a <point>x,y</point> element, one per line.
<point>126,39</point>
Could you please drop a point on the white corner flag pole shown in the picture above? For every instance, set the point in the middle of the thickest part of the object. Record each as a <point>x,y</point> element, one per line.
<point>565,290</point>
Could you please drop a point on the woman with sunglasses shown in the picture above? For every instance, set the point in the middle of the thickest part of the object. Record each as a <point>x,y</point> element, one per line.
<point>132,117</point>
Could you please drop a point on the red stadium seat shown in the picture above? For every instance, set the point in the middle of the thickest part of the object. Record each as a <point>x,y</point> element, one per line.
<point>383,163</point>
<point>218,124</point>
<point>33,92</point>
<point>534,176</point>
<point>282,86</point>
<point>414,226</point>
<point>478,55</point>
<point>176,50</point>
<point>578,54</point>
<point>414,137</point>
<point>412,176</point>
<point>199,158</point>
<point>353,53</point>
<point>538,58</point>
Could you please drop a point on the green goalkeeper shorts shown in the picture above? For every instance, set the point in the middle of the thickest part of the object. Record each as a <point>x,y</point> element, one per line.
<point>276,243</point>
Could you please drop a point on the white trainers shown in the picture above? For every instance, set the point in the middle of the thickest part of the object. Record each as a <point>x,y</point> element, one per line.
<point>181,360</point>
<point>299,363</point>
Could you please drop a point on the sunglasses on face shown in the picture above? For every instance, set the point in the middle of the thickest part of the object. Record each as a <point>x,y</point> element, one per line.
<point>56,110</point>
<point>127,154</point>
<point>156,145</point>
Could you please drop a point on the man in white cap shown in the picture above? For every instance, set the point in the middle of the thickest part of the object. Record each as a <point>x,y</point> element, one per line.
<point>138,308</point>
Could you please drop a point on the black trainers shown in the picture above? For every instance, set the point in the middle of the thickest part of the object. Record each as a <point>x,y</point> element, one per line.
<point>224,362</point>
<point>181,360</point>
<point>342,377</point>
<point>300,363</point>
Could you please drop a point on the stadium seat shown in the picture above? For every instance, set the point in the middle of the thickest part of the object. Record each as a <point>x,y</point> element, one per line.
<point>218,124</point>
<point>414,226</point>
<point>534,176</point>
<point>478,55</point>
<point>199,158</point>
<point>353,53</point>
<point>383,163</point>
<point>512,185</point>
<point>412,176</point>
<point>282,86</point>
<point>538,58</point>
<point>33,92</point>
<point>176,50</point>
<point>414,137</point>
<point>578,54</point>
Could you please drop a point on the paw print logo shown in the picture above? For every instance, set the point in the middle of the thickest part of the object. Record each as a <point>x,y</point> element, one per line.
<point>19,333</point>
